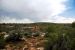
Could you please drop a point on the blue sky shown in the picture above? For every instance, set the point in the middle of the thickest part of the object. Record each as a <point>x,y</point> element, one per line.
<point>29,11</point>
<point>71,11</point>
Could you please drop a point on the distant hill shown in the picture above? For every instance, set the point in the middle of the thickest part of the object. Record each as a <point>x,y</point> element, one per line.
<point>6,27</point>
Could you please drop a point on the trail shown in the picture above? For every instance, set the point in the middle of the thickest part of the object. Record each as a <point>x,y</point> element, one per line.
<point>34,43</point>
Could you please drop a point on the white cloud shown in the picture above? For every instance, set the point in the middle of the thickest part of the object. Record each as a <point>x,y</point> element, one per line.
<point>40,7</point>
<point>36,10</point>
<point>59,19</point>
<point>13,20</point>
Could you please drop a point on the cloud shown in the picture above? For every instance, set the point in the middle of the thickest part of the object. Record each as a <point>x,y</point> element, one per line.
<point>59,19</point>
<point>35,10</point>
<point>13,20</point>
<point>56,19</point>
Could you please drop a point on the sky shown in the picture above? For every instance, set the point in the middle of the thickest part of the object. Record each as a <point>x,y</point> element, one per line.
<point>30,11</point>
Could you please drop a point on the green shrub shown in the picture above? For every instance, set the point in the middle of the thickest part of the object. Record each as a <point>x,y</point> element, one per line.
<point>2,42</point>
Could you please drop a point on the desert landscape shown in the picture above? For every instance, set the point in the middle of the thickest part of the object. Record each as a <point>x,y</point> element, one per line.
<point>37,36</point>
